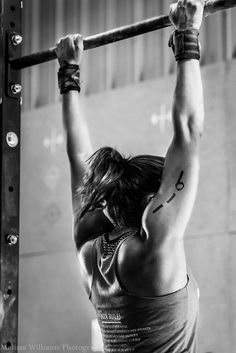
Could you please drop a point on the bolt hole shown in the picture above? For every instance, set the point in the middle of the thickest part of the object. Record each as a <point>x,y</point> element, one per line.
<point>9,291</point>
<point>12,24</point>
<point>11,189</point>
<point>8,344</point>
<point>13,8</point>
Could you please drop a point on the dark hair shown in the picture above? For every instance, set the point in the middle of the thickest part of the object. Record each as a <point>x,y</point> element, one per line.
<point>122,182</point>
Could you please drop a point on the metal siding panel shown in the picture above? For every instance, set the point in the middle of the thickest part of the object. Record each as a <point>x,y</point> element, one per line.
<point>34,38</point>
<point>139,56</point>
<point>152,43</point>
<point>233,11</point>
<point>59,32</point>
<point>44,44</point>
<point>110,49</point>
<point>168,60</point>
<point>85,30</point>
<point>227,36</point>
<point>213,38</point>
<point>97,70</point>
<point>52,66</point>
<point>124,49</point>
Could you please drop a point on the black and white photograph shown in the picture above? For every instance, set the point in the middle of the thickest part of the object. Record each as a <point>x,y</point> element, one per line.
<point>118,176</point>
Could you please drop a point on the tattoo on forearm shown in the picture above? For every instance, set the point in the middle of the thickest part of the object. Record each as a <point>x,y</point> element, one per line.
<point>158,208</point>
<point>179,186</point>
<point>171,198</point>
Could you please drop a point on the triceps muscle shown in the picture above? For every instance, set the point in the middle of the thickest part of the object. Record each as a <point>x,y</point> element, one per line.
<point>179,186</point>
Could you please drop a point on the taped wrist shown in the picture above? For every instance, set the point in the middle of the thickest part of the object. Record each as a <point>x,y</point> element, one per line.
<point>185,44</point>
<point>69,78</point>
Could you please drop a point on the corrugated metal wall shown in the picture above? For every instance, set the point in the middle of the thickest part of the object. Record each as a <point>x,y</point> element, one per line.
<point>118,64</point>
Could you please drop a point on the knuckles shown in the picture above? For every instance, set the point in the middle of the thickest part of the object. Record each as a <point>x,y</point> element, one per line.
<point>185,7</point>
<point>192,6</point>
<point>70,38</point>
<point>69,48</point>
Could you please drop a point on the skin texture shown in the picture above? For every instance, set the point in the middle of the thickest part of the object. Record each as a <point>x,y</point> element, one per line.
<point>153,264</point>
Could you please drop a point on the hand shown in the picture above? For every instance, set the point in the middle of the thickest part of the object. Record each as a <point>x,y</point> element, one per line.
<point>69,49</point>
<point>187,14</point>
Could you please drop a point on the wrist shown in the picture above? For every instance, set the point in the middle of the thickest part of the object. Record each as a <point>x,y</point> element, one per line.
<point>69,62</point>
<point>185,44</point>
<point>69,78</point>
<point>187,25</point>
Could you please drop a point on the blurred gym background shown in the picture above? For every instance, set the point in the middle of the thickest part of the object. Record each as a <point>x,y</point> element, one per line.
<point>127,90</point>
<point>117,65</point>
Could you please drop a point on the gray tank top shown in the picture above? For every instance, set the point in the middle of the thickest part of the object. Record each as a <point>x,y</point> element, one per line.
<point>131,323</point>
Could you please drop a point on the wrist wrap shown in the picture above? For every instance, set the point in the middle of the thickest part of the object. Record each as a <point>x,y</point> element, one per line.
<point>185,44</point>
<point>69,78</point>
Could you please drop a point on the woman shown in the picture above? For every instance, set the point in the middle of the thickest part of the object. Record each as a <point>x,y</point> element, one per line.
<point>130,214</point>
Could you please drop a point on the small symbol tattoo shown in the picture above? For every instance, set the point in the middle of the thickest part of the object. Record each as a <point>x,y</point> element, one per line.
<point>157,209</point>
<point>179,186</point>
<point>171,198</point>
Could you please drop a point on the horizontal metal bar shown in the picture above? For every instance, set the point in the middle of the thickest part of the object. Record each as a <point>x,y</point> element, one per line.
<point>97,40</point>
<point>117,34</point>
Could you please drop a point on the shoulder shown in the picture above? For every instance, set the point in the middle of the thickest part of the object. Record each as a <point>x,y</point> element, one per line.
<point>136,250</point>
<point>85,257</point>
<point>148,272</point>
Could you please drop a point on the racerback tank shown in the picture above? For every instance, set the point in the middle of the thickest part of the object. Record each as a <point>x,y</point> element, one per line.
<point>132,323</point>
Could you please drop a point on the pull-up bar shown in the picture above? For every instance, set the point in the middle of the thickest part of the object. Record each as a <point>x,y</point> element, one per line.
<point>117,34</point>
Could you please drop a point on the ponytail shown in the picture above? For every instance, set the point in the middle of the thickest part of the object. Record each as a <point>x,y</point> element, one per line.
<point>122,182</point>
<point>105,168</point>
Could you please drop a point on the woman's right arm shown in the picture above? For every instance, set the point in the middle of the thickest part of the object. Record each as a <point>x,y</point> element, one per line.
<point>69,51</point>
<point>78,142</point>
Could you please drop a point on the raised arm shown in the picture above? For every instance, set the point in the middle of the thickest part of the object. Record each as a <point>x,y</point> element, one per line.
<point>168,213</point>
<point>69,52</point>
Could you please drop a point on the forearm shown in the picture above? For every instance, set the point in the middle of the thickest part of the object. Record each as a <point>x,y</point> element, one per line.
<point>77,135</point>
<point>188,107</point>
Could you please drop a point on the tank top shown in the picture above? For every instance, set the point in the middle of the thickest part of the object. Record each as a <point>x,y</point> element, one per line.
<point>132,323</point>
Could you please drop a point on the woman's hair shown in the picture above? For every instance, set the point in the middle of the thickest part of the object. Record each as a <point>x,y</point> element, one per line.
<point>122,182</point>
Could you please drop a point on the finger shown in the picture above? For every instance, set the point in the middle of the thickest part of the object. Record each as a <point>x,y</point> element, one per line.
<point>173,8</point>
<point>180,3</point>
<point>58,43</point>
<point>78,41</point>
<point>173,12</point>
<point>203,2</point>
<point>67,44</point>
<point>57,49</point>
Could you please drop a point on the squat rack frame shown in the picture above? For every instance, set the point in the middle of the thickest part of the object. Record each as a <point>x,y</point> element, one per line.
<point>10,101</point>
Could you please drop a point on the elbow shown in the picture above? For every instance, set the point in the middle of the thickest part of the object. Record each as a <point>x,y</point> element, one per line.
<point>196,120</point>
<point>190,126</point>
<point>189,123</point>
<point>195,125</point>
